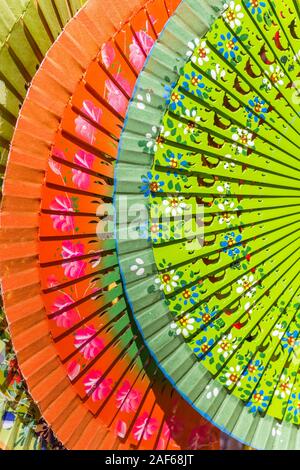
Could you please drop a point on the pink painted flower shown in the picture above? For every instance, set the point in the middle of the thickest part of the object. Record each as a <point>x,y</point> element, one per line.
<point>96,386</point>
<point>68,317</point>
<point>199,437</point>
<point>128,399</point>
<point>73,268</point>
<point>73,369</point>
<point>121,429</point>
<point>115,96</point>
<point>136,55</point>
<point>108,54</point>
<point>88,345</point>
<point>84,159</point>
<point>144,427</point>
<point>62,222</point>
<point>81,178</point>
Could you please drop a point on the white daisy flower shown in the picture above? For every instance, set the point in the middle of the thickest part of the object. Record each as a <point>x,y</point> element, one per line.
<point>174,205</point>
<point>167,281</point>
<point>274,76</point>
<point>233,376</point>
<point>142,102</point>
<point>245,286</point>
<point>156,138</point>
<point>233,15</point>
<point>184,326</point>
<point>138,267</point>
<point>242,136</point>
<point>218,72</point>
<point>198,51</point>
<point>193,120</point>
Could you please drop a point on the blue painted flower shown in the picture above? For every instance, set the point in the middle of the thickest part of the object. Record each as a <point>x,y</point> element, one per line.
<point>294,404</point>
<point>228,46</point>
<point>173,97</point>
<point>288,341</point>
<point>255,6</point>
<point>193,80</point>
<point>257,110</point>
<point>151,184</point>
<point>190,295</point>
<point>253,371</point>
<point>259,401</point>
<point>231,243</point>
<point>203,347</point>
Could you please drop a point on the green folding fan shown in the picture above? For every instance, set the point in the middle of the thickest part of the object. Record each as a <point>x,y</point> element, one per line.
<point>209,240</point>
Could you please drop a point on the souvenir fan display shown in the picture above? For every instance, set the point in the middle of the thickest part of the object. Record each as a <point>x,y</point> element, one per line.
<point>79,350</point>
<point>210,150</point>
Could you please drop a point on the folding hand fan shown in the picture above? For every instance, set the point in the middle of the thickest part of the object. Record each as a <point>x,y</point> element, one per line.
<point>86,365</point>
<point>213,155</point>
